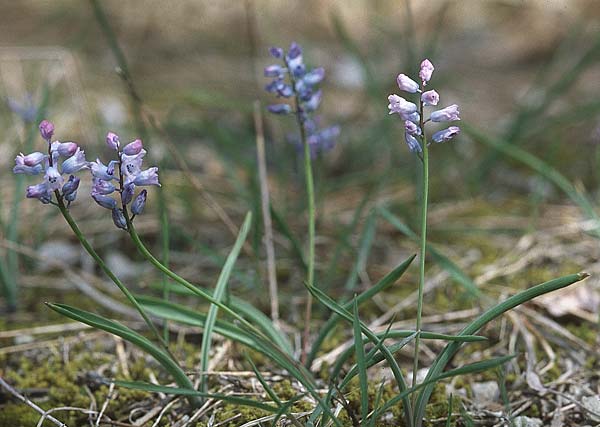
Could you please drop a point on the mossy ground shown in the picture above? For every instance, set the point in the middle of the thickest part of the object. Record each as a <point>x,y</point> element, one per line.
<point>54,380</point>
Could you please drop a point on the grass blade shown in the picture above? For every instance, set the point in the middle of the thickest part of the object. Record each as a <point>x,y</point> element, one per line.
<point>361,365</point>
<point>450,350</point>
<point>366,241</point>
<point>218,296</point>
<point>341,311</point>
<point>471,368</point>
<point>287,232</point>
<point>179,313</point>
<point>129,335</point>
<point>247,310</point>
<point>383,284</point>
<point>539,166</point>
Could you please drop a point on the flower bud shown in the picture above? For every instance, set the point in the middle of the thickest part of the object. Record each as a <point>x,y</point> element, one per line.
<point>274,71</point>
<point>446,134</point>
<point>119,219</point>
<point>426,71</point>
<point>276,52</point>
<point>127,194</point>
<point>112,140</point>
<point>413,144</point>
<point>65,149</point>
<point>70,186</point>
<point>407,84</point>
<point>412,128</point>
<point>279,109</point>
<point>431,97</point>
<point>315,76</point>
<point>133,148</point>
<point>33,159</point>
<point>448,114</point>
<point>137,207</point>
<point>104,201</point>
<point>46,129</point>
<point>71,196</point>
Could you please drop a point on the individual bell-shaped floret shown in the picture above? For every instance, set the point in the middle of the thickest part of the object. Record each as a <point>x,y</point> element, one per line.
<point>448,114</point>
<point>53,178</point>
<point>446,134</point>
<point>407,84</point>
<point>75,163</point>
<point>147,177</point>
<point>40,192</point>
<point>102,171</point>
<point>412,128</point>
<point>400,105</point>
<point>431,97</point>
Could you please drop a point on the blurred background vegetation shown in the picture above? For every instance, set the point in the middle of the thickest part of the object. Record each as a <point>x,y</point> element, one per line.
<point>525,74</point>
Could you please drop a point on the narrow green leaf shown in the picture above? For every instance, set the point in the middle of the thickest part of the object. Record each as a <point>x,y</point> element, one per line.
<point>128,335</point>
<point>431,381</point>
<point>366,241</point>
<point>247,310</point>
<point>367,295</point>
<point>153,388</point>
<point>283,227</point>
<point>360,363</point>
<point>179,313</point>
<point>218,296</point>
<point>334,306</point>
<point>539,166</point>
<point>450,350</point>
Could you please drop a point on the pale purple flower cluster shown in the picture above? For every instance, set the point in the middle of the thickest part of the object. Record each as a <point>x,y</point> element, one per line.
<point>411,113</point>
<point>61,158</point>
<point>293,80</point>
<point>121,176</point>
<point>130,175</point>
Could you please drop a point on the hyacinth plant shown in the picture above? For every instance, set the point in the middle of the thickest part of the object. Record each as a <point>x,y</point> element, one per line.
<point>114,187</point>
<point>416,139</point>
<point>293,81</point>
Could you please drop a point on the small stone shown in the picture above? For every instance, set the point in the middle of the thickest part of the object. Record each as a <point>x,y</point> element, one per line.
<point>527,422</point>
<point>592,403</point>
<point>485,392</point>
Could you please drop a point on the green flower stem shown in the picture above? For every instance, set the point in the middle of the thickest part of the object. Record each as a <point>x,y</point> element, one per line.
<point>90,250</point>
<point>424,197</point>
<point>311,238</point>
<point>310,194</point>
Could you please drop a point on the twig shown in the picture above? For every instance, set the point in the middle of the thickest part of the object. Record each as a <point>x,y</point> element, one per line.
<point>109,397</point>
<point>29,403</point>
<point>266,212</point>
